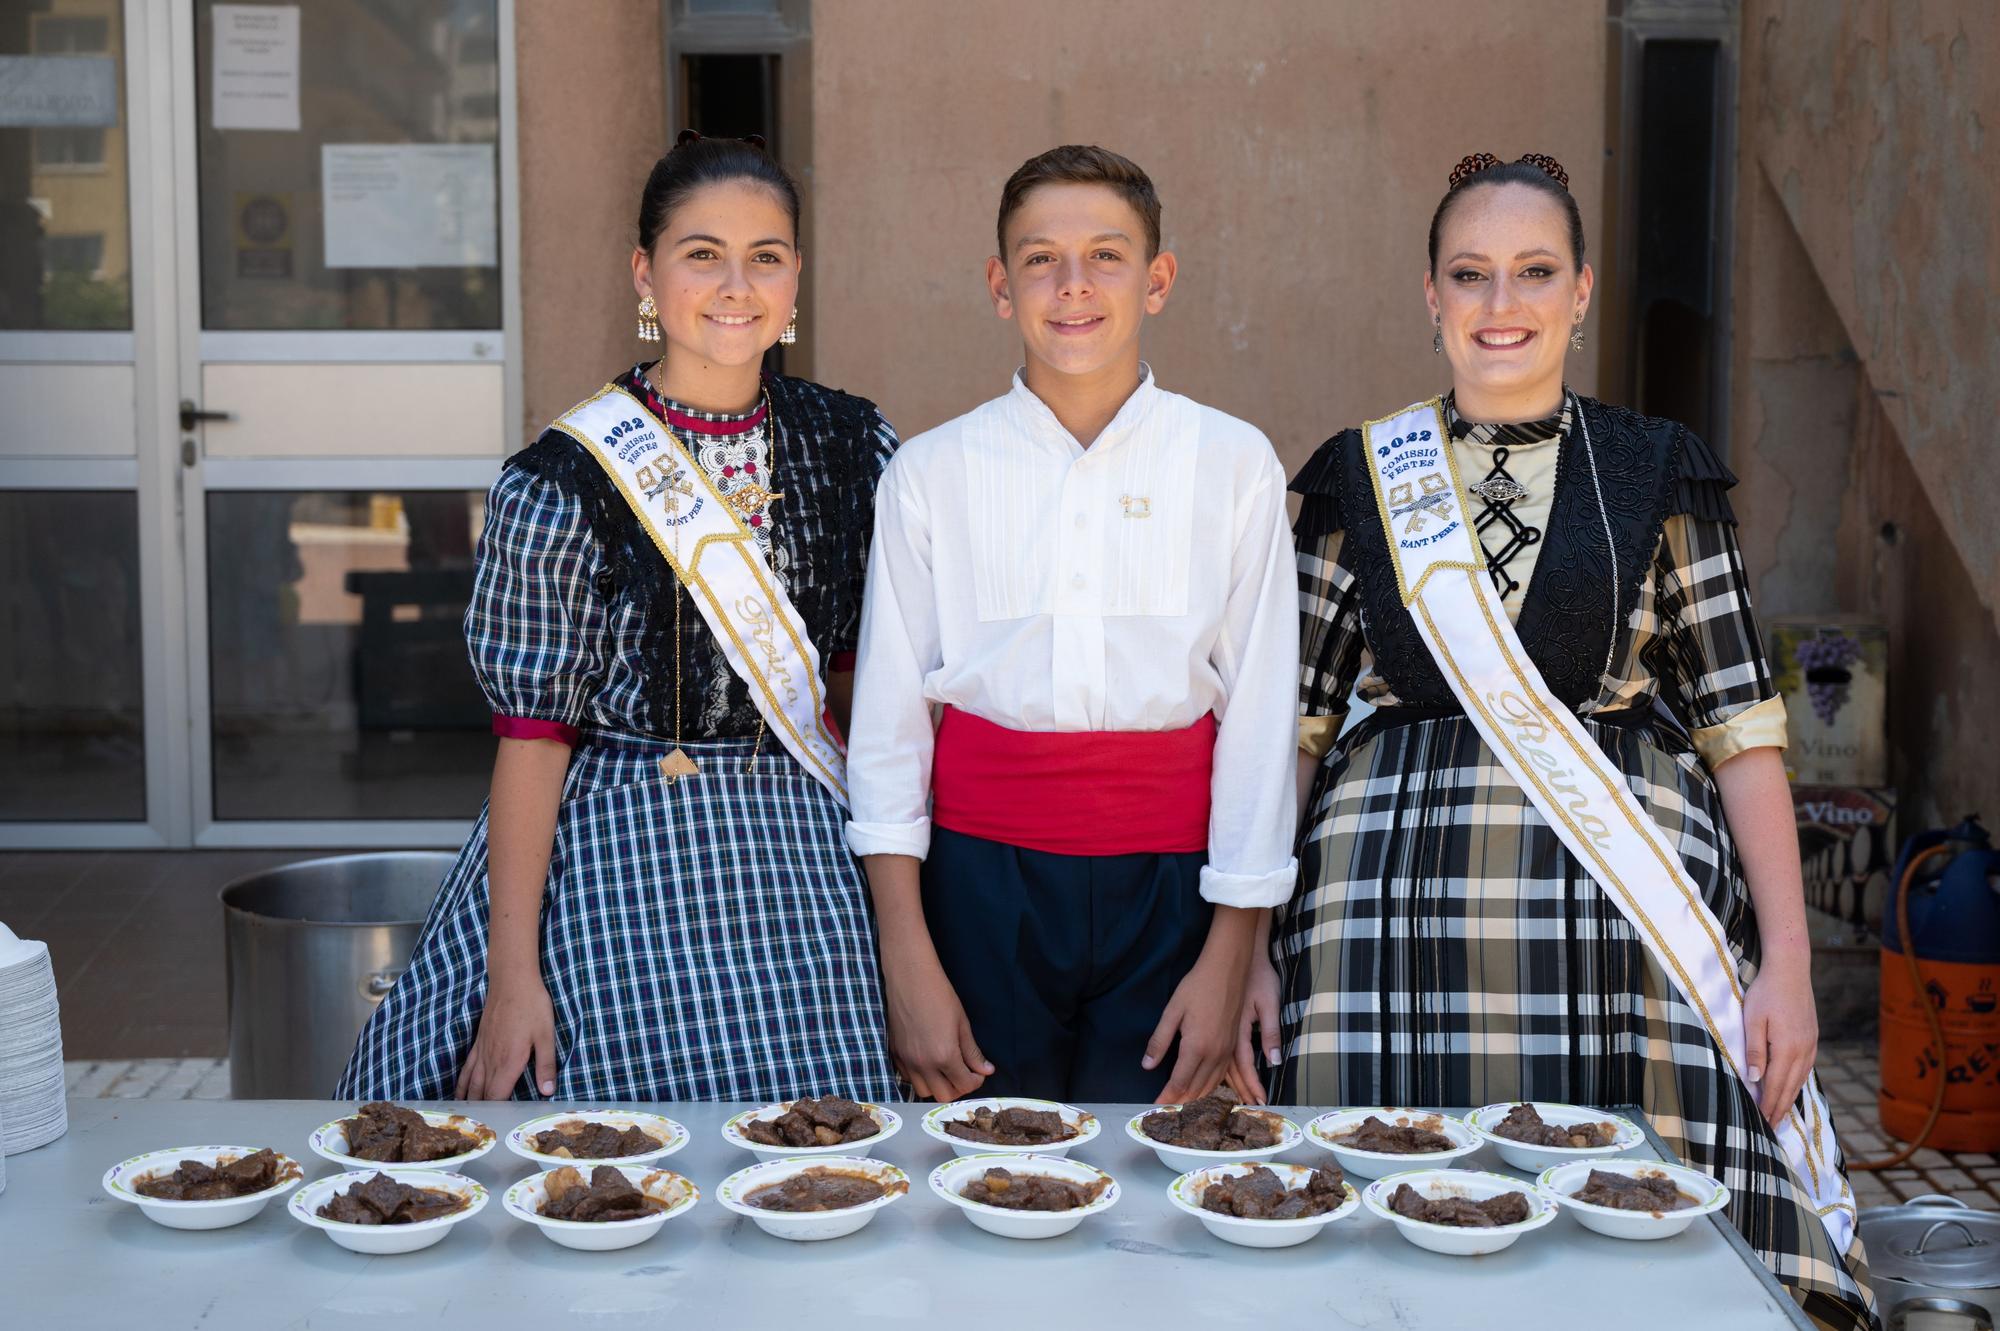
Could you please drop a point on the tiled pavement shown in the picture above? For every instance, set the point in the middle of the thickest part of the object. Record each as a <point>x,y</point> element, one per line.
<point>1847,1070</point>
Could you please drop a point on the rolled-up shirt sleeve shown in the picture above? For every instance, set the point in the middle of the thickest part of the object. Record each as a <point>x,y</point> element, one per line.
<point>889,754</point>
<point>1710,653</point>
<point>1253,804</point>
<point>535,626</point>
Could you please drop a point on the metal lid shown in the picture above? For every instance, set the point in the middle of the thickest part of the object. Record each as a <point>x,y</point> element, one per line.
<point>1934,1240</point>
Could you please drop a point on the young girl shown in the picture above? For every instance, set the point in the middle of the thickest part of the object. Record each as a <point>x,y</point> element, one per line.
<point>657,903</point>
<point>1520,878</point>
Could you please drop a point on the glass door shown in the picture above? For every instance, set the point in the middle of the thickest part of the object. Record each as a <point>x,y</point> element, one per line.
<point>85,688</point>
<point>346,362</point>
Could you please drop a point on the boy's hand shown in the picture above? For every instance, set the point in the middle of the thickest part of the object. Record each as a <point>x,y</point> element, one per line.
<point>929,1037</point>
<point>1260,1013</point>
<point>1205,1010</point>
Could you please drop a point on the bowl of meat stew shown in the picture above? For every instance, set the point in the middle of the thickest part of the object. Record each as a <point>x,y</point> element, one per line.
<point>1632,1199</point>
<point>599,1207</point>
<point>597,1137</point>
<point>1264,1205</point>
<point>1210,1131</point>
<point>826,1125</point>
<point>813,1198</point>
<point>379,1133</point>
<point>1533,1135</point>
<point>385,1211</point>
<point>1024,1196</point>
<point>1009,1124</point>
<point>1458,1212</point>
<point>203,1187</point>
<point>1372,1142</point>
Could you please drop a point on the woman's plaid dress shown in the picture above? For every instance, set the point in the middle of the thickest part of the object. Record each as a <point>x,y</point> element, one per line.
<point>708,939</point>
<point>1444,947</point>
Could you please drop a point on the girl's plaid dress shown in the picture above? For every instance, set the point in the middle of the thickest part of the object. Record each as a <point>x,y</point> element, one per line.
<point>1444,947</point>
<point>708,939</point>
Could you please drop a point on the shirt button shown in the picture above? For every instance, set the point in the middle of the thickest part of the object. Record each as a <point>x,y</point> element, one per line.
<point>1077,582</point>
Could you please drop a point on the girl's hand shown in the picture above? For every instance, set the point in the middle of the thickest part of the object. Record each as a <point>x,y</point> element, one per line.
<point>519,1023</point>
<point>1781,1034</point>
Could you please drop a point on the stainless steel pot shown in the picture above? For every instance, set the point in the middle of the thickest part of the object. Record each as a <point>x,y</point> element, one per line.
<point>1934,1263</point>
<point>313,948</point>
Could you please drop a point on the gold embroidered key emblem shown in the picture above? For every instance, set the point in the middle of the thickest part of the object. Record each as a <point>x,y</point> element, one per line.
<point>666,486</point>
<point>1432,502</point>
<point>1136,506</point>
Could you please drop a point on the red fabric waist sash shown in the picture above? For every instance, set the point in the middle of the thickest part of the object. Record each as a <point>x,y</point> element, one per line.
<point>1096,792</point>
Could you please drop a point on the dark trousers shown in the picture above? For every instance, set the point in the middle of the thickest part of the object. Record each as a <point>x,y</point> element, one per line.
<point>1064,963</point>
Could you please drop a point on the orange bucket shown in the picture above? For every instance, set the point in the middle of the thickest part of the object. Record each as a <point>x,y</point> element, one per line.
<point>1967,999</point>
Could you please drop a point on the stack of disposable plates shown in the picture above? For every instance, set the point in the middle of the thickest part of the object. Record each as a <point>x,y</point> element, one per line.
<point>32,1112</point>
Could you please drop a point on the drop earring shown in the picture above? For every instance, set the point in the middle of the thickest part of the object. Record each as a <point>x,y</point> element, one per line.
<point>649,319</point>
<point>1576,335</point>
<point>790,336</point>
<point>1437,337</point>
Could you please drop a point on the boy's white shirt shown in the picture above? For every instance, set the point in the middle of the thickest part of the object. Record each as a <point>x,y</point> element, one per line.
<point>1043,586</point>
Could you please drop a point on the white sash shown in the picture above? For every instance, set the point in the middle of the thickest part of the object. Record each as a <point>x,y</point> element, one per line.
<point>716,558</point>
<point>1542,744</point>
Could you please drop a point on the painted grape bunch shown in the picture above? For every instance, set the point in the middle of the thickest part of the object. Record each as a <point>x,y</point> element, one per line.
<point>1824,658</point>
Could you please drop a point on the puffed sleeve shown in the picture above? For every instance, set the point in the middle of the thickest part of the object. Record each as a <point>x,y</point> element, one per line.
<point>536,625</point>
<point>1330,637</point>
<point>1711,655</point>
<point>875,453</point>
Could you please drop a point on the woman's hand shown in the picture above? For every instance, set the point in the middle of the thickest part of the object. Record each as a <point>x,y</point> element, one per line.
<point>1260,1015</point>
<point>929,1036</point>
<point>519,1023</point>
<point>1781,1033</point>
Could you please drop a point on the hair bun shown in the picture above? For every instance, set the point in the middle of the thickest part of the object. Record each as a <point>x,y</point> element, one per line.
<point>1548,164</point>
<point>1471,165</point>
<point>687,136</point>
<point>758,141</point>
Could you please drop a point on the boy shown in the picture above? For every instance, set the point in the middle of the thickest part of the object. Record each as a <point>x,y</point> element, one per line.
<point>1093,579</point>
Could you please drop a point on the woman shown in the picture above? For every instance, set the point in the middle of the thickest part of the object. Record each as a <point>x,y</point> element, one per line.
<point>657,903</point>
<point>1531,573</point>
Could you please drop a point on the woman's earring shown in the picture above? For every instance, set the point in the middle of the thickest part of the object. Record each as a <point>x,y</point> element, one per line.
<point>1576,335</point>
<point>1437,337</point>
<point>791,334</point>
<point>649,319</point>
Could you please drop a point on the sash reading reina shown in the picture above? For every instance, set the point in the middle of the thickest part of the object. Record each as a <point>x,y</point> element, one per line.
<point>1546,749</point>
<point>716,558</point>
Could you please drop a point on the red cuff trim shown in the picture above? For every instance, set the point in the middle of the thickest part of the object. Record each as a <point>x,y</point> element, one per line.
<point>841,661</point>
<point>527,727</point>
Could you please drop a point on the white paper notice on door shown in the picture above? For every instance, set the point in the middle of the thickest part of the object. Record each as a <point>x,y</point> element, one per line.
<point>50,91</point>
<point>256,66</point>
<point>410,205</point>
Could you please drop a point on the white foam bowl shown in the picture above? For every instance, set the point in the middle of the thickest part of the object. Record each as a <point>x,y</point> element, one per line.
<point>1557,1182</point>
<point>933,1123</point>
<point>670,1135</point>
<point>383,1240</point>
<point>1181,1159</point>
<point>1374,1164</point>
<point>1186,1191</point>
<point>329,1140</point>
<point>1473,1185</point>
<point>810,1226</point>
<point>732,1132</point>
<point>1533,1159</point>
<point>220,1214</point>
<point>951,1176</point>
<point>524,1201</point>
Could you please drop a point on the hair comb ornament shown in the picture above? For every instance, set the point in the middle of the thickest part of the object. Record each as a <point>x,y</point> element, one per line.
<point>687,136</point>
<point>1548,164</point>
<point>1471,165</point>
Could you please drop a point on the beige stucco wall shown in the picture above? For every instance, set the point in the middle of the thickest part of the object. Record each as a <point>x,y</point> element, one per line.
<point>1864,387</point>
<point>1872,123</point>
<point>1299,147</point>
<point>591,89</point>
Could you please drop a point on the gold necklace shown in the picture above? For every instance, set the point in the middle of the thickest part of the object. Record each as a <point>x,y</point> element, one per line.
<point>678,763</point>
